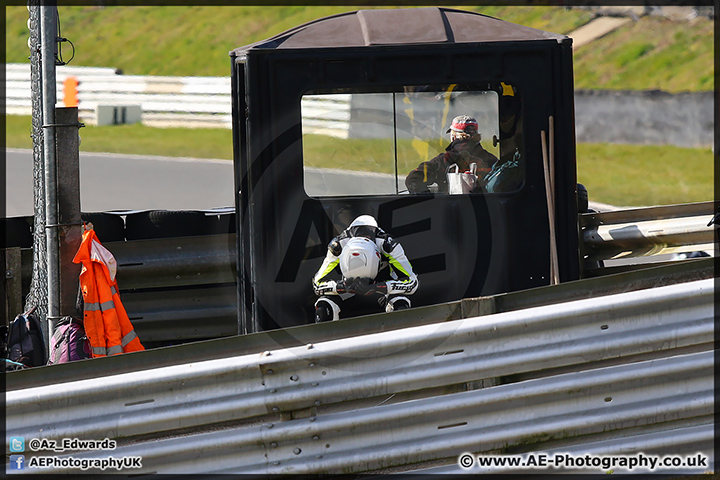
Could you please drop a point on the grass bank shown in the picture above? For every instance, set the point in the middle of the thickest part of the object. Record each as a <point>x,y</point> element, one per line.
<point>195,40</point>
<point>651,53</point>
<point>623,175</point>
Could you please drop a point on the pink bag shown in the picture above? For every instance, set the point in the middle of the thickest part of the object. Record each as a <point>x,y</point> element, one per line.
<point>69,342</point>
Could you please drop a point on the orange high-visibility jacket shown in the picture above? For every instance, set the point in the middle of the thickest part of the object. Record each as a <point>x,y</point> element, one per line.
<point>107,325</point>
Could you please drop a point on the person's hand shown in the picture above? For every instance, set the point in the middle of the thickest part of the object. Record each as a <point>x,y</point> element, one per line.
<point>362,286</point>
<point>341,287</point>
<point>418,188</point>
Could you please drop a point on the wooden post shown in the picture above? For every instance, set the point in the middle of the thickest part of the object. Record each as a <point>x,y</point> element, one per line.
<point>549,190</point>
<point>551,161</point>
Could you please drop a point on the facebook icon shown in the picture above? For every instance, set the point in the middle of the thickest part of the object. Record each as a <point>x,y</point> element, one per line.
<point>17,462</point>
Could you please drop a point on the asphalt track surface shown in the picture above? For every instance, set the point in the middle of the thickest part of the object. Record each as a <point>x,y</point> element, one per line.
<point>137,182</point>
<point>110,181</point>
<point>129,182</point>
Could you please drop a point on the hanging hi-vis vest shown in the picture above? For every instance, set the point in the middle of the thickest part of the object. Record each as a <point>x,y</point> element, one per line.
<point>107,325</point>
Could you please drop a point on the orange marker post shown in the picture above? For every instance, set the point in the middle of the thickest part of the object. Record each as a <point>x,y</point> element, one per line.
<point>70,92</point>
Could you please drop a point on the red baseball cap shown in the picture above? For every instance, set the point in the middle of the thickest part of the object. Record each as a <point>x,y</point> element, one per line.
<point>462,123</point>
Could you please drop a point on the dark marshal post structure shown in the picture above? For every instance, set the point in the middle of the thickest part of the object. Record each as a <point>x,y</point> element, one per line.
<point>405,73</point>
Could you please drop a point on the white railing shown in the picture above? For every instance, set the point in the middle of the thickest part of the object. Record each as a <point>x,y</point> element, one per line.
<point>601,116</point>
<point>166,101</point>
<point>587,371</point>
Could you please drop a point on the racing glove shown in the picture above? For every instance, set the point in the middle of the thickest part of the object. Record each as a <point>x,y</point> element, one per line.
<point>362,286</point>
<point>380,287</point>
<point>341,287</point>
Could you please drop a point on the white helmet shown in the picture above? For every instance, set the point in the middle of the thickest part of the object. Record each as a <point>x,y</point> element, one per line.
<point>360,258</point>
<point>364,226</point>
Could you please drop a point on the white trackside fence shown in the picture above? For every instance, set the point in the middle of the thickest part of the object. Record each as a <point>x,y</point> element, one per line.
<point>616,375</point>
<point>644,117</point>
<point>164,101</point>
<point>160,101</point>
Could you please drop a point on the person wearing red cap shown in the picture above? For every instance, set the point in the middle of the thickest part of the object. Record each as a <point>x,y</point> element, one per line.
<point>464,149</point>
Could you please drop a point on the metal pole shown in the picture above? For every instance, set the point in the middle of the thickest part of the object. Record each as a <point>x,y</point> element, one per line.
<point>48,26</point>
<point>37,297</point>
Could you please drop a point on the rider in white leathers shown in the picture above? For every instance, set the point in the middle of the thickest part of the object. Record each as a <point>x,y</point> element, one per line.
<point>376,270</point>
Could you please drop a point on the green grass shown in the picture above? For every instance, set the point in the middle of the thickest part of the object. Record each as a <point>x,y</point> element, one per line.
<point>195,40</point>
<point>136,139</point>
<point>641,175</point>
<point>622,175</point>
<point>144,40</point>
<point>652,53</point>
<point>632,53</point>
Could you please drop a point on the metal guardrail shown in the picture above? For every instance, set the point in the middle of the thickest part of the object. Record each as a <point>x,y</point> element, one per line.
<point>656,440</point>
<point>183,288</point>
<point>577,395</point>
<point>166,309</point>
<point>676,272</point>
<point>197,262</point>
<point>598,403</point>
<point>647,231</point>
<point>179,289</point>
<point>175,262</point>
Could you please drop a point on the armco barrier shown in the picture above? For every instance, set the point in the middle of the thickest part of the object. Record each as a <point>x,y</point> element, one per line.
<point>567,374</point>
<point>232,346</point>
<point>636,232</point>
<point>565,408</point>
<point>178,289</point>
<point>658,440</point>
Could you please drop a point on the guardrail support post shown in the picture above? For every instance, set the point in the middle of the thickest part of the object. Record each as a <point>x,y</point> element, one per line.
<point>68,197</point>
